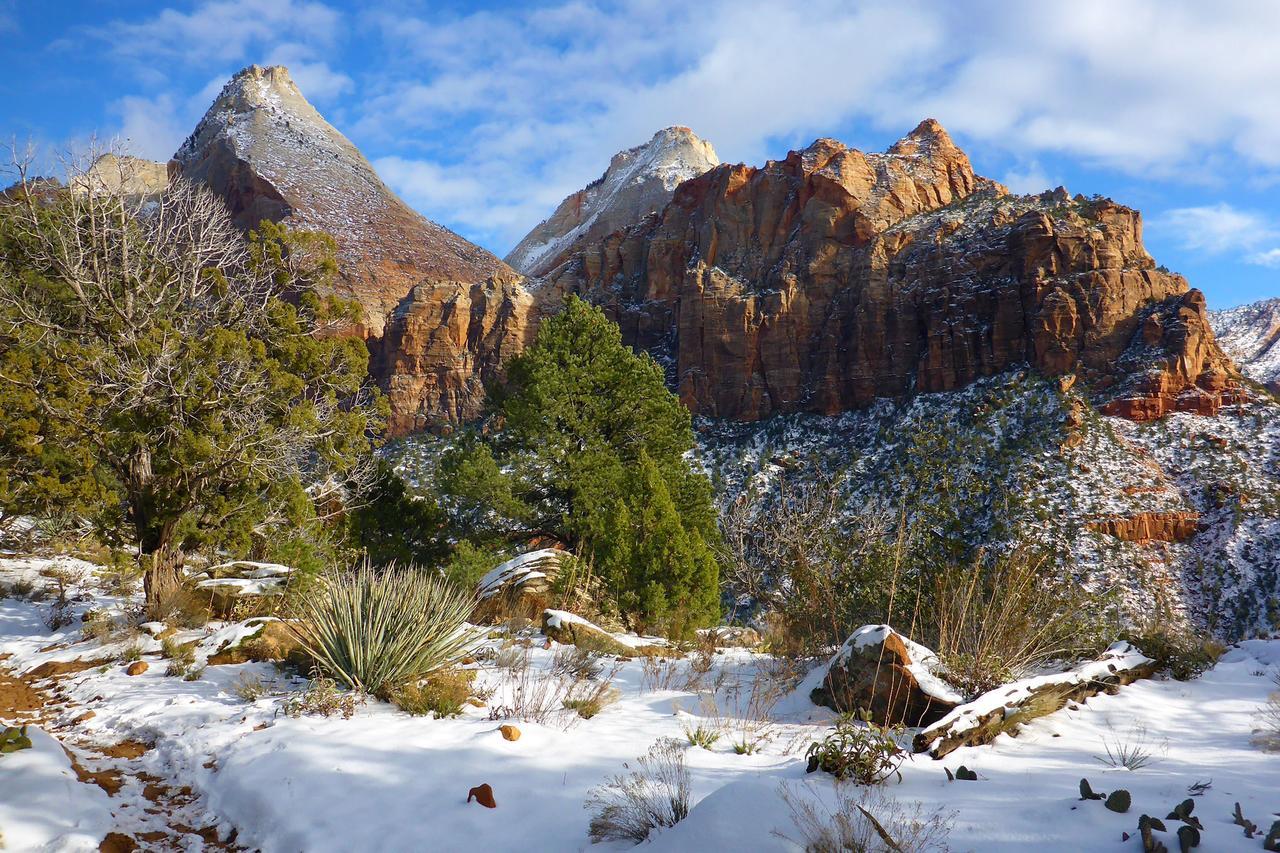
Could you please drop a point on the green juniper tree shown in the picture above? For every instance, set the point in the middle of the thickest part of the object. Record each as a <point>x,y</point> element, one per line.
<point>183,371</point>
<point>588,446</point>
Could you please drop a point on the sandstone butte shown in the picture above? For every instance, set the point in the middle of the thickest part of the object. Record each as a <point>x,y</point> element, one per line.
<point>813,283</point>
<point>829,278</point>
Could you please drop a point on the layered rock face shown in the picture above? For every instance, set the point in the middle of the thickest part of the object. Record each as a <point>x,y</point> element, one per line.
<point>639,181</point>
<point>1250,334</point>
<point>267,152</point>
<point>443,342</point>
<point>830,278</point>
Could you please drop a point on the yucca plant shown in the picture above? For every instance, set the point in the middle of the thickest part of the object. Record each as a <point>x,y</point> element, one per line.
<point>374,629</point>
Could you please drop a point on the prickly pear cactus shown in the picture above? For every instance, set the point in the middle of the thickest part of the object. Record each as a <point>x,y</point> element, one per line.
<point>1240,820</point>
<point>1119,801</point>
<point>1272,841</point>
<point>1188,837</point>
<point>1086,791</point>
<point>13,739</point>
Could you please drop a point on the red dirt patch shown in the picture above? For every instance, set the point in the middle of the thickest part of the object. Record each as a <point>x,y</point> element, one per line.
<point>52,668</point>
<point>18,698</point>
<point>117,842</point>
<point>129,749</point>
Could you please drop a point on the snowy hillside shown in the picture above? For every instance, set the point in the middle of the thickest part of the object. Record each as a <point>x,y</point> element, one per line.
<point>1250,334</point>
<point>1181,515</point>
<point>227,758</point>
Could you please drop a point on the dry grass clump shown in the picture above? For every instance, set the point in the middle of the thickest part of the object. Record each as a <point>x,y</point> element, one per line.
<point>182,659</point>
<point>1132,750</point>
<point>444,693</point>
<point>864,820</point>
<point>248,687</point>
<point>372,628</point>
<point>655,793</point>
<point>1267,735</point>
<point>131,653</point>
<point>323,698</point>
<point>1002,616</point>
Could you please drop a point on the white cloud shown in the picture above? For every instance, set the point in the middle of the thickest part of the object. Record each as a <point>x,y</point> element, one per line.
<point>1269,258</point>
<point>151,128</point>
<point>533,103</point>
<point>1029,179</point>
<point>317,81</point>
<point>221,31</point>
<point>1216,228</point>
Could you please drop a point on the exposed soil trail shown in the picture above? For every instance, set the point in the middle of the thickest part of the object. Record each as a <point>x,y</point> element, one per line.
<point>149,813</point>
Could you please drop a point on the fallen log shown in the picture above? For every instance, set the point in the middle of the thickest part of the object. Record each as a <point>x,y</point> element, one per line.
<point>1007,707</point>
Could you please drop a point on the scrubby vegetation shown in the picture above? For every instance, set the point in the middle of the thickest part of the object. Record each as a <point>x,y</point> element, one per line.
<point>858,749</point>
<point>589,447</point>
<point>654,794</point>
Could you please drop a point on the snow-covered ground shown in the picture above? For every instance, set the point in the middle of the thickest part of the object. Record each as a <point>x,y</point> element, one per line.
<point>383,780</point>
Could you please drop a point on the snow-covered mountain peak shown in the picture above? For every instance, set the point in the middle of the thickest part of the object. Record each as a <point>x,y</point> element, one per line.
<point>639,181</point>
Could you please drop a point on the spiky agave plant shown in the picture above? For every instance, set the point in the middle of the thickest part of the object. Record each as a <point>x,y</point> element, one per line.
<point>374,629</point>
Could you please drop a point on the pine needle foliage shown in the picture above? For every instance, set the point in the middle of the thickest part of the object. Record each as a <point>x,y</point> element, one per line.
<point>375,629</point>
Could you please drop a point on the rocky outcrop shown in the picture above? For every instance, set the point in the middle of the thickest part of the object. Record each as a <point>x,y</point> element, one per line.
<point>832,277</point>
<point>1172,364</point>
<point>443,343</point>
<point>639,181</point>
<point>1144,527</point>
<point>879,671</point>
<point>133,177</point>
<point>1250,334</point>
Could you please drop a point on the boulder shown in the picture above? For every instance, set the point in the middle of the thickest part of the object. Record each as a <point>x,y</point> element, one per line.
<point>519,586</point>
<point>570,629</point>
<point>137,668</point>
<point>509,732</point>
<point>565,627</point>
<point>884,673</point>
<point>731,636</point>
<point>272,641</point>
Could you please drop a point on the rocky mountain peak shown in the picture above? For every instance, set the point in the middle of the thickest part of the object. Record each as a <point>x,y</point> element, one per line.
<point>639,181</point>
<point>270,155</point>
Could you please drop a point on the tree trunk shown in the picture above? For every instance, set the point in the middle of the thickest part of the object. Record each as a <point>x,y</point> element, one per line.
<point>162,565</point>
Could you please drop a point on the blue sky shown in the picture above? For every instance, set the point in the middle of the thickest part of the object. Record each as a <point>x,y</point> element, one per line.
<point>484,115</point>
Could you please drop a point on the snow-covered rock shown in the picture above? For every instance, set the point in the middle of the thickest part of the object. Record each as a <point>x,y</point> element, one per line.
<point>890,676</point>
<point>529,571</point>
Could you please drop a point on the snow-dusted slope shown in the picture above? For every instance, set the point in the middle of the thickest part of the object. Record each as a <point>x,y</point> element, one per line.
<point>1250,334</point>
<point>638,181</point>
<point>1180,516</point>
<point>271,155</point>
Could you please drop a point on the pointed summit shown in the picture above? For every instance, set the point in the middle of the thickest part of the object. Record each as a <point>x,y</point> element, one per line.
<point>638,181</point>
<point>270,155</point>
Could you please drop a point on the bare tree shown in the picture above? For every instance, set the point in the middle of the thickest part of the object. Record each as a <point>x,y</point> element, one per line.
<point>186,359</point>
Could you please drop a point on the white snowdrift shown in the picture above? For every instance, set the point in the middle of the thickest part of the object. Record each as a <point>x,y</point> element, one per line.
<point>43,806</point>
